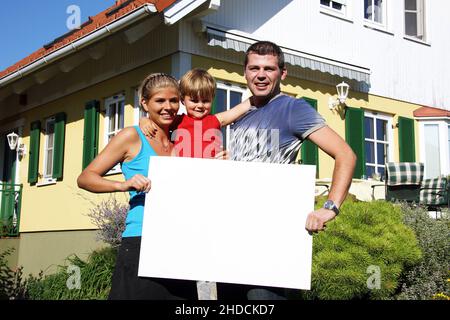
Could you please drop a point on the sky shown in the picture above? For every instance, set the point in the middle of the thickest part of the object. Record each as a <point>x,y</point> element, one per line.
<point>27,25</point>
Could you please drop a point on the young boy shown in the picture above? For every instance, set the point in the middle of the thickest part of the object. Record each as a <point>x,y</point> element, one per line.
<point>197,134</point>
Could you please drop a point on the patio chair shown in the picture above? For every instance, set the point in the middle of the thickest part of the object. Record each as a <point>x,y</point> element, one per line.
<point>434,194</point>
<point>402,181</point>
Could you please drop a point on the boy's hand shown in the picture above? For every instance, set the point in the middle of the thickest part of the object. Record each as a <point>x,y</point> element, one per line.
<point>222,154</point>
<point>148,127</point>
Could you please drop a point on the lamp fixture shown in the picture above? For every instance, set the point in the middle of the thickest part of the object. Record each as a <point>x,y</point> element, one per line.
<point>13,142</point>
<point>342,94</point>
<point>13,139</point>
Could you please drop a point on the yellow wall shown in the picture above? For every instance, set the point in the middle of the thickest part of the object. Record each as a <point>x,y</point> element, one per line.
<point>63,206</point>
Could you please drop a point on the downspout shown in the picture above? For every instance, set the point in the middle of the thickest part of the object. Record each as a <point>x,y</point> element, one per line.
<point>145,10</point>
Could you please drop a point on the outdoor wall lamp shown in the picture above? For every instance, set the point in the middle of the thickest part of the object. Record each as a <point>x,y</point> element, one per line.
<point>342,94</point>
<point>13,142</point>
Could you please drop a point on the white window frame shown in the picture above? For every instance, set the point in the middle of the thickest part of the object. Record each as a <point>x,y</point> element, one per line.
<point>343,13</point>
<point>47,178</point>
<point>116,99</point>
<point>138,111</point>
<point>443,124</point>
<point>228,87</point>
<point>389,136</point>
<point>384,16</point>
<point>421,23</point>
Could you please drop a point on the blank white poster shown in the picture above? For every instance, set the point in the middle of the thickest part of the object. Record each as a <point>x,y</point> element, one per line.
<point>228,221</point>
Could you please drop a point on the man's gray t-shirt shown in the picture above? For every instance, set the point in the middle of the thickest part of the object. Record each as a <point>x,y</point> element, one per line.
<point>274,132</point>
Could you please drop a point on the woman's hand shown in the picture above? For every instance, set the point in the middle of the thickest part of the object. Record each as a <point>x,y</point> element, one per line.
<point>137,183</point>
<point>148,127</point>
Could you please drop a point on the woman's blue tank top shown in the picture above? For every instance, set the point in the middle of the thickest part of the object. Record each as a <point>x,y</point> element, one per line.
<point>138,165</point>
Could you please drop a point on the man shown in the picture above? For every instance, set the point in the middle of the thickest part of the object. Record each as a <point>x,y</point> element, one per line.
<point>273,131</point>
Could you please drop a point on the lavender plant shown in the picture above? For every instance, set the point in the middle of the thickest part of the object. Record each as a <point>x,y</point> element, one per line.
<point>109,216</point>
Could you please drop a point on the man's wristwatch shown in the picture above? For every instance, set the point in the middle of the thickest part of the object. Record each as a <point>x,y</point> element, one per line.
<point>329,204</point>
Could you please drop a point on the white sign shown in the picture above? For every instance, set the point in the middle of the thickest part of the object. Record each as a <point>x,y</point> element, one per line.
<point>228,221</point>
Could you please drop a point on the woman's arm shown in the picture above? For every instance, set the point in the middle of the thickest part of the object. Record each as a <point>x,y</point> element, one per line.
<point>227,117</point>
<point>117,150</point>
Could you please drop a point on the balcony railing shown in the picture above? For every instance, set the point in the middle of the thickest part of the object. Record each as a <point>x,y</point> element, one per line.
<point>10,205</point>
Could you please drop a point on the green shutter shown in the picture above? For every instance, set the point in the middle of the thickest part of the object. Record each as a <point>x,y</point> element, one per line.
<point>406,139</point>
<point>90,136</point>
<point>33,162</point>
<point>354,135</point>
<point>58,151</point>
<point>310,152</point>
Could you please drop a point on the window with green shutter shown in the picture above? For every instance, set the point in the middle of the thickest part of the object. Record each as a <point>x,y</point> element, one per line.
<point>91,132</point>
<point>310,151</point>
<point>406,139</point>
<point>58,151</point>
<point>33,162</point>
<point>354,135</point>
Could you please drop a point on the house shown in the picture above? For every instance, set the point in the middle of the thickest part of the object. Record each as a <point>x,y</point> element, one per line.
<point>66,100</point>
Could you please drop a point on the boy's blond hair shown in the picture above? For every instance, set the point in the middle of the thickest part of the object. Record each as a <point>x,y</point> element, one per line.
<point>198,83</point>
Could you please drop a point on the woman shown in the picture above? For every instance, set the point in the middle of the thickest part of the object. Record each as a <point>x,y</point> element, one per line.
<point>159,97</point>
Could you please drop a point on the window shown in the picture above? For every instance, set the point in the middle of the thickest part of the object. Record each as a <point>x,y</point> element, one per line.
<point>415,19</point>
<point>435,146</point>
<point>138,111</point>
<point>227,96</point>
<point>49,148</point>
<point>432,152</point>
<point>377,141</point>
<point>114,116</point>
<point>448,150</point>
<point>337,6</point>
<point>374,11</point>
<point>114,120</point>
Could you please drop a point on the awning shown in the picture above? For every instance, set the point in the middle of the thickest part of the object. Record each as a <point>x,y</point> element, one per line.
<point>227,40</point>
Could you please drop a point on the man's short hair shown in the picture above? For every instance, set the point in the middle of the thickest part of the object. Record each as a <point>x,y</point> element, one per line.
<point>264,48</point>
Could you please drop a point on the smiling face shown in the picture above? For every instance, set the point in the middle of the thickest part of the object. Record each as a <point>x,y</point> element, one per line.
<point>263,76</point>
<point>197,108</point>
<point>162,106</point>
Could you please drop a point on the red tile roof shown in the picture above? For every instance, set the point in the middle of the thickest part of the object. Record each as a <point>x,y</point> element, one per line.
<point>96,22</point>
<point>431,112</point>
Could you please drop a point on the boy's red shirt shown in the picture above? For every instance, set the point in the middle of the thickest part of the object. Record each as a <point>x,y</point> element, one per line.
<point>204,136</point>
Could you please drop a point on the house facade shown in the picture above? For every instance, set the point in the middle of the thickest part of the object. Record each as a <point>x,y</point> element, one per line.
<point>65,101</point>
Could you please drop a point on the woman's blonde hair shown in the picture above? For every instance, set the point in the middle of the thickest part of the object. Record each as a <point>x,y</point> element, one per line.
<point>154,82</point>
<point>198,83</point>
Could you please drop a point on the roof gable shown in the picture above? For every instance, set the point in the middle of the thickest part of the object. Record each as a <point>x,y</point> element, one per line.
<point>113,13</point>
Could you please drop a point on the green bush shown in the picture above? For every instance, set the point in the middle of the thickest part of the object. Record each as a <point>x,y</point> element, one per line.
<point>13,286</point>
<point>429,277</point>
<point>95,279</point>
<point>365,237</point>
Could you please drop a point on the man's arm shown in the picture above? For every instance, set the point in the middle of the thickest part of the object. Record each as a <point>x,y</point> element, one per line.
<point>345,159</point>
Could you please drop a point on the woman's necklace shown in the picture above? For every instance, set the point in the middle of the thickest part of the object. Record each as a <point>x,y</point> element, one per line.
<point>164,146</point>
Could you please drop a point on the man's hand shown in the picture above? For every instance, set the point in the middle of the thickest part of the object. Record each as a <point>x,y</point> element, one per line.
<point>317,220</point>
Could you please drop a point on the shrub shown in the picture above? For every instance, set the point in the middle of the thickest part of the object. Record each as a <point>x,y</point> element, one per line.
<point>428,277</point>
<point>366,237</point>
<point>13,286</point>
<point>109,216</point>
<point>95,279</point>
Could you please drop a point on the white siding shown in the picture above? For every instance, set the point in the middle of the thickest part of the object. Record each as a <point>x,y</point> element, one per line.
<point>401,69</point>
